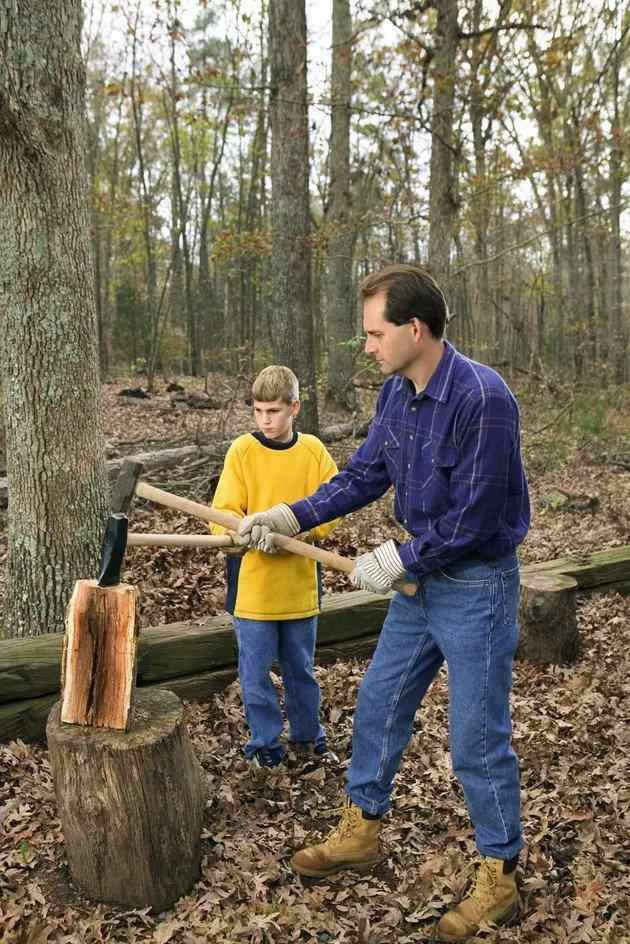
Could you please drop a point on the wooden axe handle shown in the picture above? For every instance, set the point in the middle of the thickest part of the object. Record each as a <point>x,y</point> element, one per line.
<point>138,539</point>
<point>327,558</point>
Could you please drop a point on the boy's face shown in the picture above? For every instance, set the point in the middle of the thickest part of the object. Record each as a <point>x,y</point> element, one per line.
<point>275,418</point>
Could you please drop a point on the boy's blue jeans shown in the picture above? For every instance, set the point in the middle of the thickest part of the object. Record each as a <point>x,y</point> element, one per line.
<point>291,643</point>
<point>465,615</point>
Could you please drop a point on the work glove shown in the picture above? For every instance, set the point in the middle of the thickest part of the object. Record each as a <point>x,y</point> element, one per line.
<point>236,548</point>
<point>254,530</point>
<point>378,570</point>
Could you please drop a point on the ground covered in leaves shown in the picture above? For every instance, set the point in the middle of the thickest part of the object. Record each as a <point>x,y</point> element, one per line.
<point>571,732</point>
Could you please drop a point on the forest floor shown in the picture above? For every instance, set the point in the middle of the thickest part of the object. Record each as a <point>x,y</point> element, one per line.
<point>572,729</point>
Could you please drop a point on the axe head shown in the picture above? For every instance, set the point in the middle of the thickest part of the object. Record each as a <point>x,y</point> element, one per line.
<point>113,550</point>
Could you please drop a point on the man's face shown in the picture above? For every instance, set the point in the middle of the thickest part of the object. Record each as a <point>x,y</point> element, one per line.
<point>395,348</point>
<point>275,418</point>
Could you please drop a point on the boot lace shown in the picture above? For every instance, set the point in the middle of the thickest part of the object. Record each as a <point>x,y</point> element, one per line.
<point>350,816</point>
<point>483,891</point>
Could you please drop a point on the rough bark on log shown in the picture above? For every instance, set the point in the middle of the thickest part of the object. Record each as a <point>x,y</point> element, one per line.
<point>548,621</point>
<point>131,804</point>
<point>99,655</point>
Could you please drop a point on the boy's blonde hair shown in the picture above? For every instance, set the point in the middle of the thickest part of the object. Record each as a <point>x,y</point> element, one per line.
<point>276,383</point>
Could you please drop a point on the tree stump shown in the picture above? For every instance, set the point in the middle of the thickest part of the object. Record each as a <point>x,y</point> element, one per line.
<point>131,804</point>
<point>547,616</point>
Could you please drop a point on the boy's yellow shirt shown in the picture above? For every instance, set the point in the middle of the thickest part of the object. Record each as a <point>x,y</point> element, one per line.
<point>256,476</point>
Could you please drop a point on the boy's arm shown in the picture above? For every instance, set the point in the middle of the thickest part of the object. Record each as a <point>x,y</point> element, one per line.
<point>231,491</point>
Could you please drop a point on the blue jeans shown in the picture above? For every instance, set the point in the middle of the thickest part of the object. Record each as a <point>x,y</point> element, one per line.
<point>292,644</point>
<point>465,615</point>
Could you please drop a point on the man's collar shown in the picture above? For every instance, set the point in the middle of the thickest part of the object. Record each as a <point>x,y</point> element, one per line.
<point>441,380</point>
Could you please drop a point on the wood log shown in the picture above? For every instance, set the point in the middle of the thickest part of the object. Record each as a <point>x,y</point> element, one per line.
<point>131,804</point>
<point>30,667</point>
<point>99,655</point>
<point>548,620</point>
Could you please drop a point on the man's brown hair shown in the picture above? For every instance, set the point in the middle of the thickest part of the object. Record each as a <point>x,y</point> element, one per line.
<point>276,383</point>
<point>411,292</point>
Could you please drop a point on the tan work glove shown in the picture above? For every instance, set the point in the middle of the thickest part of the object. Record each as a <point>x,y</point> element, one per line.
<point>236,548</point>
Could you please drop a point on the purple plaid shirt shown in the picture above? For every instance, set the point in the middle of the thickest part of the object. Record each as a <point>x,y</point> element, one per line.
<point>452,454</point>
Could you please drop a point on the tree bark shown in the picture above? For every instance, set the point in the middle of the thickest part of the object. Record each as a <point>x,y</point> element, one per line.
<point>48,354</point>
<point>131,804</point>
<point>442,202</point>
<point>340,303</point>
<point>291,314</point>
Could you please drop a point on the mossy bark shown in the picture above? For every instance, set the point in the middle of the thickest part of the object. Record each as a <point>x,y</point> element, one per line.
<point>48,348</point>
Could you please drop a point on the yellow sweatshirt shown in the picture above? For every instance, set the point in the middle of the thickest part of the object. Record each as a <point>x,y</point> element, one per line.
<point>258,473</point>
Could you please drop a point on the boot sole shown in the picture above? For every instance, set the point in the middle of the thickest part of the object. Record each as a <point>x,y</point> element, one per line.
<point>510,919</point>
<point>361,867</point>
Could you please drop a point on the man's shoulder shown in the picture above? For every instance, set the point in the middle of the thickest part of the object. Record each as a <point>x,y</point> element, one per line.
<point>477,380</point>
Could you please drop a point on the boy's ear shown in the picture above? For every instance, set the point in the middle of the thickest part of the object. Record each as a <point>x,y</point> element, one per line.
<point>295,407</point>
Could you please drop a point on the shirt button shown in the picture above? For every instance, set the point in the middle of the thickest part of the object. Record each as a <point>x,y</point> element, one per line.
<point>410,435</point>
<point>413,409</point>
<point>409,465</point>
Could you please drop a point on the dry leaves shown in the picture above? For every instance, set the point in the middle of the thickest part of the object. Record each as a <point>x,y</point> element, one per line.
<point>571,733</point>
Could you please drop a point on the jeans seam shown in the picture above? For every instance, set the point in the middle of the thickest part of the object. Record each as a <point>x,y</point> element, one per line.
<point>389,723</point>
<point>485,711</point>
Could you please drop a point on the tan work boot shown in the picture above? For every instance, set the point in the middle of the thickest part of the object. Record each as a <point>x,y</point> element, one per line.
<point>353,844</point>
<point>493,899</point>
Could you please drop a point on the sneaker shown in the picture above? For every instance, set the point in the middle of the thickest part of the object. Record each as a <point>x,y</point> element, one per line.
<point>493,899</point>
<point>265,757</point>
<point>307,750</point>
<point>352,844</point>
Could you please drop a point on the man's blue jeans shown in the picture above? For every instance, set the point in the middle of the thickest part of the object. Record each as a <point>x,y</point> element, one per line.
<point>291,643</point>
<point>465,615</point>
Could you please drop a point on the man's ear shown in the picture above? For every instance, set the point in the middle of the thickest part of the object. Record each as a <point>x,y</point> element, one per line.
<point>419,329</point>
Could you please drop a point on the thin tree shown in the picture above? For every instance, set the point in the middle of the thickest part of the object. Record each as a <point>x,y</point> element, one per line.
<point>340,308</point>
<point>291,315</point>
<point>48,351</point>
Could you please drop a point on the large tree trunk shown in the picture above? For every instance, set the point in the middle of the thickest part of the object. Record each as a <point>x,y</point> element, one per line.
<point>55,444</point>
<point>340,303</point>
<point>292,323</point>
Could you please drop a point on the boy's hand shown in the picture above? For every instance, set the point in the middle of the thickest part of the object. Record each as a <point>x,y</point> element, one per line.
<point>378,570</point>
<point>236,548</point>
<point>279,519</point>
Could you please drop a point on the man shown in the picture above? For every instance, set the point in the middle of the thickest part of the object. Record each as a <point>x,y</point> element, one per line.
<point>446,436</point>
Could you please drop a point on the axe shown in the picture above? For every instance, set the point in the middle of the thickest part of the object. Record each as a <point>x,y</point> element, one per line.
<point>196,510</point>
<point>115,538</point>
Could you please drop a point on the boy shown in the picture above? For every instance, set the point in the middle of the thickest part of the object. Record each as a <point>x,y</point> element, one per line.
<point>275,599</point>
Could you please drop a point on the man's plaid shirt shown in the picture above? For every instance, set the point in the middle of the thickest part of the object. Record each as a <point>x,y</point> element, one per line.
<point>452,454</point>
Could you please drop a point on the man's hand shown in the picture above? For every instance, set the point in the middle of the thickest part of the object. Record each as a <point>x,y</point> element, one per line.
<point>378,570</point>
<point>255,529</point>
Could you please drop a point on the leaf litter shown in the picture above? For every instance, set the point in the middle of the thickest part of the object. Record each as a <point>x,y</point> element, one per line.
<point>571,733</point>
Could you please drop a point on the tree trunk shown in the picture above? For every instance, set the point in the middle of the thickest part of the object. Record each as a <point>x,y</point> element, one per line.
<point>547,618</point>
<point>55,443</point>
<point>292,321</point>
<point>131,804</point>
<point>340,303</point>
<point>442,202</point>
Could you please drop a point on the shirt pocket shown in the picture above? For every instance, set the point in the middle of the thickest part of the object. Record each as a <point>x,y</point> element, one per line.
<point>445,458</point>
<point>390,442</point>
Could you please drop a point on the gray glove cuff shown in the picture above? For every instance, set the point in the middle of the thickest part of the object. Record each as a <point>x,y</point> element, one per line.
<point>291,524</point>
<point>389,560</point>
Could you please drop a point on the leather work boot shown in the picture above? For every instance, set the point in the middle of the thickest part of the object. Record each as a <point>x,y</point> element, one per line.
<point>493,899</point>
<point>352,844</point>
